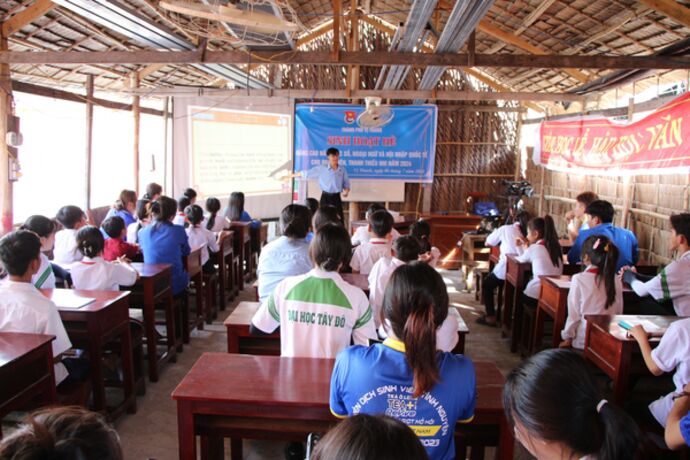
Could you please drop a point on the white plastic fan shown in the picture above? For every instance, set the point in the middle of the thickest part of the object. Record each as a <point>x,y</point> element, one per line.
<point>375,114</point>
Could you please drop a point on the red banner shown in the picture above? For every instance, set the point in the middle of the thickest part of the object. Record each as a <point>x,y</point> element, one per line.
<point>658,143</point>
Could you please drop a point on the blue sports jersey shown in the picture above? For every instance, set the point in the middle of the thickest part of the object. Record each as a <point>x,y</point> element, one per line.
<point>377,380</point>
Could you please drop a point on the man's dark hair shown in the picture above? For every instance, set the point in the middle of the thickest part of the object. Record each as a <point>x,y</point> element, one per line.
<point>182,203</point>
<point>381,223</point>
<point>601,209</point>
<point>681,224</point>
<point>332,151</point>
<point>17,250</point>
<point>407,248</point>
<point>113,226</point>
<point>587,197</point>
<point>68,216</point>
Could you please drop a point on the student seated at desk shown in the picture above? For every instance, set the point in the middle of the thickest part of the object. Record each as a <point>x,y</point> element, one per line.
<point>576,219</point>
<point>153,192</point>
<point>553,402</point>
<point>406,249</point>
<point>235,211</point>
<point>667,293</point>
<point>199,236</point>
<point>325,215</point>
<point>115,246</point>
<point>45,229</point>
<point>363,234</point>
<point>422,231</point>
<point>162,242</point>
<point>505,236</point>
<point>596,291</point>
<point>542,249</point>
<point>95,273</point>
<point>213,222</point>
<point>143,218</point>
<point>677,432</point>
<point>24,309</point>
<point>72,219</point>
<point>190,193</point>
<point>318,313</point>
<point>409,365</point>
<point>368,253</point>
<point>673,352</point>
<point>368,437</point>
<point>600,214</point>
<point>62,433</point>
<point>287,255</point>
<point>124,207</point>
<point>313,205</point>
<point>181,218</point>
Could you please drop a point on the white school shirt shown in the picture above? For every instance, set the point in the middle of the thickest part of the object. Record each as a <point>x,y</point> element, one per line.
<point>504,235</point>
<point>179,219</point>
<point>198,237</point>
<point>672,283</point>
<point>318,314</point>
<point>218,225</point>
<point>672,353</point>
<point>378,280</point>
<point>44,277</point>
<point>446,334</point>
<point>280,259</point>
<point>367,254</point>
<point>98,274</point>
<point>362,235</point>
<point>435,256</point>
<point>538,255</point>
<point>65,251</point>
<point>24,309</point>
<point>587,298</point>
<point>133,232</point>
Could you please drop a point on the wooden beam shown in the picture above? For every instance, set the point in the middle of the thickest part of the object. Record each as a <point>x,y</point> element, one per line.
<point>89,137</point>
<point>337,10</point>
<point>526,23</point>
<point>28,15</point>
<point>373,59</point>
<point>488,28</point>
<point>670,8</point>
<point>6,199</point>
<point>493,84</point>
<point>323,29</point>
<point>73,97</point>
<point>136,112</point>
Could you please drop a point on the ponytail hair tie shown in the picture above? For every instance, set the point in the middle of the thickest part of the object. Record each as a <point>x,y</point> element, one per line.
<point>606,247</point>
<point>596,243</point>
<point>600,405</point>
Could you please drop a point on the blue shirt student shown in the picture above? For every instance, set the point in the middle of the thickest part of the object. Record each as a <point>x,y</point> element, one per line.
<point>165,243</point>
<point>685,428</point>
<point>281,258</point>
<point>245,217</point>
<point>624,239</point>
<point>378,380</point>
<point>330,180</point>
<point>124,214</point>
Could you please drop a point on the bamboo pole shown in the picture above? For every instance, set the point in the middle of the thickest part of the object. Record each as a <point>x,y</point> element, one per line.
<point>627,180</point>
<point>166,111</point>
<point>136,111</point>
<point>5,155</point>
<point>518,152</point>
<point>89,137</point>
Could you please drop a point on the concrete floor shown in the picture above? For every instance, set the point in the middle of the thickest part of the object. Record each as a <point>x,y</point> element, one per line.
<point>151,433</point>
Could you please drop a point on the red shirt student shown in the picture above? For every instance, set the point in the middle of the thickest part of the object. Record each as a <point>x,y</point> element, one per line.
<point>116,246</point>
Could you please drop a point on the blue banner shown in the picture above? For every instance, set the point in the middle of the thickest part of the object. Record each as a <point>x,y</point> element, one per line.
<point>402,149</point>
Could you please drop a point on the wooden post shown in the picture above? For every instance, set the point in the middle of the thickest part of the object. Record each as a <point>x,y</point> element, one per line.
<point>627,180</point>
<point>136,110</point>
<point>5,112</point>
<point>89,137</point>
<point>542,193</point>
<point>337,10</point>
<point>166,112</point>
<point>518,152</point>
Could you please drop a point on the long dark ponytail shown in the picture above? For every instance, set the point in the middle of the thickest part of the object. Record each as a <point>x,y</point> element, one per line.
<point>603,254</point>
<point>212,206</point>
<point>555,397</point>
<point>416,303</point>
<point>522,219</point>
<point>546,229</point>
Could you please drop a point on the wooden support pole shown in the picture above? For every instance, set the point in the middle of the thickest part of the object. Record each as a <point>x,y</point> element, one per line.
<point>337,11</point>
<point>89,137</point>
<point>627,180</point>
<point>541,190</point>
<point>518,151</point>
<point>166,113</point>
<point>471,47</point>
<point>6,201</point>
<point>136,106</point>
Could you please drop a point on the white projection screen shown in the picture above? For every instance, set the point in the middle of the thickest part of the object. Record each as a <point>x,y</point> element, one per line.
<point>227,144</point>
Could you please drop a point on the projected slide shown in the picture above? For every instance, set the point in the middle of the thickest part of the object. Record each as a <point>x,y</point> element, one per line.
<point>238,150</point>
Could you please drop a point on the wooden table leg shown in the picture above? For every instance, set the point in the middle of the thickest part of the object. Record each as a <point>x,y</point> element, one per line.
<point>621,375</point>
<point>96,362</point>
<point>516,325</point>
<point>211,448</point>
<point>508,298</point>
<point>506,441</point>
<point>150,330</point>
<point>128,370</point>
<point>538,330</point>
<point>236,448</point>
<point>200,294</point>
<point>186,438</point>
<point>233,341</point>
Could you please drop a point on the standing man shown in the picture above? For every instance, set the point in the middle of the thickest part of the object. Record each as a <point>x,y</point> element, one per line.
<point>333,181</point>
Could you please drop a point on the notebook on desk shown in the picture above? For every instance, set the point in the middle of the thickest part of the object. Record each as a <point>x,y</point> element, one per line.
<point>655,327</point>
<point>66,298</point>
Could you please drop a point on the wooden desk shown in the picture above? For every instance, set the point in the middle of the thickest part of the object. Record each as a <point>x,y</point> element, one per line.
<point>243,247</point>
<point>228,272</point>
<point>154,288</point>
<point>241,341</point>
<point>553,302</point>
<point>357,279</point>
<point>94,325</point>
<point>27,374</point>
<point>447,230</point>
<point>517,274</point>
<point>192,264</point>
<point>609,348</point>
<point>287,398</point>
<point>403,227</point>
